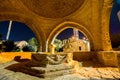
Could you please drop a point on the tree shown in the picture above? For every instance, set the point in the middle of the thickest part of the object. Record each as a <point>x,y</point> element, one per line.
<point>28,48</point>
<point>58,44</point>
<point>33,43</point>
<point>16,49</point>
<point>9,45</point>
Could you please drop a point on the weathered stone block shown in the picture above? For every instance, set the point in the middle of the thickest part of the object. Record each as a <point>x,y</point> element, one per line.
<point>39,60</point>
<point>108,58</point>
<point>118,60</point>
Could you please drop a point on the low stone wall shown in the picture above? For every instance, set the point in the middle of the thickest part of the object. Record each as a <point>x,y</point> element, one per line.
<point>108,58</point>
<point>83,55</point>
<point>8,56</point>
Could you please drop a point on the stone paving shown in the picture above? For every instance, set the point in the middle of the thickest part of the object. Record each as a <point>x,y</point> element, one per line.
<point>84,73</point>
<point>99,73</point>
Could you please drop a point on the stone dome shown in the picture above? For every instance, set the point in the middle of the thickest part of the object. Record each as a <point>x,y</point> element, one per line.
<point>53,8</point>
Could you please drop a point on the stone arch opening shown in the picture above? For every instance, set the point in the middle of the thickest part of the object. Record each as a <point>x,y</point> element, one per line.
<point>16,36</point>
<point>115,26</point>
<point>71,39</point>
<point>29,22</point>
<point>17,31</point>
<point>66,25</point>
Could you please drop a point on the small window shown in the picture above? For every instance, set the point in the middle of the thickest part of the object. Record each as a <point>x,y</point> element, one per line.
<point>80,48</point>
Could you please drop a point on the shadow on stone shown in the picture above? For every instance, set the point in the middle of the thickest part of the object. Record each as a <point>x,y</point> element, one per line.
<point>17,58</point>
<point>24,67</point>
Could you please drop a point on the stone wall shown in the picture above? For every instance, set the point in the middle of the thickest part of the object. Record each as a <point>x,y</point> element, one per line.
<point>108,58</point>
<point>8,56</point>
<point>83,55</point>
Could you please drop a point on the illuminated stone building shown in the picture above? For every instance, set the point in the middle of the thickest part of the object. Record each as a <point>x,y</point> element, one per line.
<point>75,45</point>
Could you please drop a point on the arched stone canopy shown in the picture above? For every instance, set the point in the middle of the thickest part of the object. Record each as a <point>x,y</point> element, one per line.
<point>92,17</point>
<point>69,24</point>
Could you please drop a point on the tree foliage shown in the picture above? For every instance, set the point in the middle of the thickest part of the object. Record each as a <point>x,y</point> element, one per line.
<point>33,43</point>
<point>9,46</point>
<point>28,48</point>
<point>58,44</point>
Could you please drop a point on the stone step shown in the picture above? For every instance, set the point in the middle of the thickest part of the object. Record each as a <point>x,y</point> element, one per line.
<point>58,73</point>
<point>41,71</point>
<point>53,68</point>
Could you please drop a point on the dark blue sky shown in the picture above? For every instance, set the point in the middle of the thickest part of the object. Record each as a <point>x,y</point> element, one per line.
<point>114,22</point>
<point>67,33</point>
<point>20,31</point>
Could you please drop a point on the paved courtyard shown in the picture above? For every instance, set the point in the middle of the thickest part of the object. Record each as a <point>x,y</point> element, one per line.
<point>84,73</point>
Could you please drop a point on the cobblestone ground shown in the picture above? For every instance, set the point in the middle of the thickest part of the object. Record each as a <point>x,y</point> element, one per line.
<point>99,73</point>
<point>106,73</point>
<point>84,73</point>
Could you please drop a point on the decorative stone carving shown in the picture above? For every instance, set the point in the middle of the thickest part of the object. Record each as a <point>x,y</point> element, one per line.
<point>42,60</point>
<point>45,65</point>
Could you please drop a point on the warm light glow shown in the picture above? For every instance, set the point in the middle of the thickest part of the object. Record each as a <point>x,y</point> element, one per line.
<point>75,64</point>
<point>8,56</point>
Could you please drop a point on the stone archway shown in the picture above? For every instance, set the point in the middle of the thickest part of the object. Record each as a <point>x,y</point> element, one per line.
<point>26,20</point>
<point>69,24</point>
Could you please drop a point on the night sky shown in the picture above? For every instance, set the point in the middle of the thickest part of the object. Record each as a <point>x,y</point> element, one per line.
<point>114,22</point>
<point>20,31</point>
<point>67,33</point>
